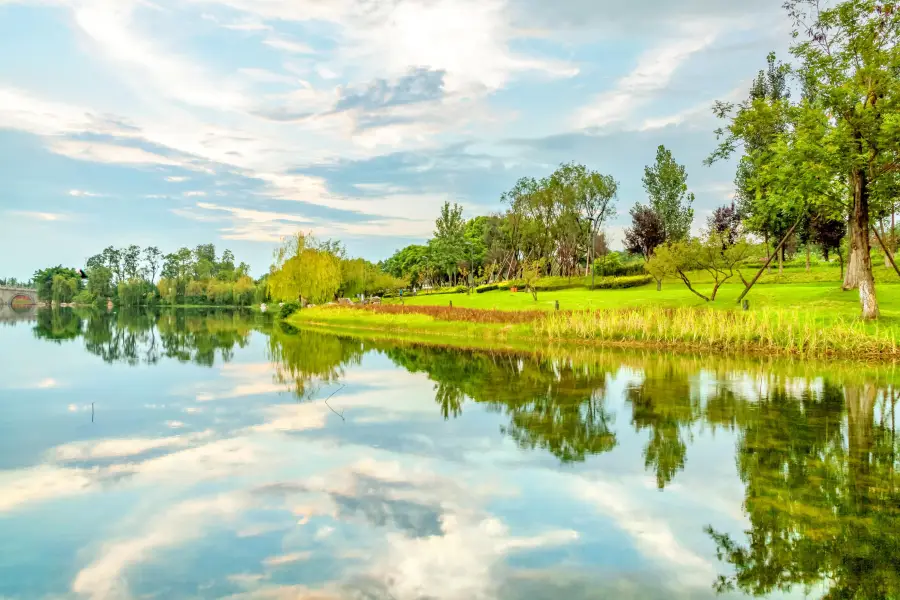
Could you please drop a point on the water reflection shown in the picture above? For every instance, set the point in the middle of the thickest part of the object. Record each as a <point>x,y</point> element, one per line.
<point>450,474</point>
<point>144,337</point>
<point>818,464</point>
<point>821,493</point>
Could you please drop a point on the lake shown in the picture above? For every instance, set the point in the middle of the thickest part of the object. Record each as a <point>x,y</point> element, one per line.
<point>204,454</point>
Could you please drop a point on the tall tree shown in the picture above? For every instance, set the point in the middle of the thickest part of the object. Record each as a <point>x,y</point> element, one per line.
<point>448,245</point>
<point>131,257</point>
<point>646,233</point>
<point>596,198</point>
<point>851,52</point>
<point>113,260</point>
<point>152,256</point>
<point>753,126</point>
<point>666,184</point>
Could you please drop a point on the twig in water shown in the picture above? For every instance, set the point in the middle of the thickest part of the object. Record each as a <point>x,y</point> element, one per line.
<point>340,414</point>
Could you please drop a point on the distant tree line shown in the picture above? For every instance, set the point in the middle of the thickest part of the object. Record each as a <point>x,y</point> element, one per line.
<point>128,277</point>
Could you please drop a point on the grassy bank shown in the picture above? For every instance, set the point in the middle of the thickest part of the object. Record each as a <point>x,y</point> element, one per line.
<point>807,333</point>
<point>582,355</point>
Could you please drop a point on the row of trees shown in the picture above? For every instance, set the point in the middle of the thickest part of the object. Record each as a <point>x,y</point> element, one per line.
<point>554,223</point>
<point>128,276</point>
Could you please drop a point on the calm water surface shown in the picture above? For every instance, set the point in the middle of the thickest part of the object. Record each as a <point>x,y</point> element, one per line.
<point>194,455</point>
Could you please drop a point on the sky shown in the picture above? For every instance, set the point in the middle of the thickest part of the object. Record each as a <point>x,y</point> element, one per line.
<point>179,122</point>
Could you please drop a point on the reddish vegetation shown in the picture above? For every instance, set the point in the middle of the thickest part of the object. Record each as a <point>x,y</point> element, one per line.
<point>445,313</point>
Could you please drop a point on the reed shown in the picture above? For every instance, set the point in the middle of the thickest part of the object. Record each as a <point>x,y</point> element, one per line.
<point>767,330</point>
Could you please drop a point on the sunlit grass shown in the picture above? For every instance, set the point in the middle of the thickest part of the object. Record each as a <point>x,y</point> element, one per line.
<point>763,331</point>
<point>770,330</point>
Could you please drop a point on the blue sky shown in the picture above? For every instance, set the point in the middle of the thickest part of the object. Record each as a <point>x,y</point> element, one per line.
<point>174,123</point>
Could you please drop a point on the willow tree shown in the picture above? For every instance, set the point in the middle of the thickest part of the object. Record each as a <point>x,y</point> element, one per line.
<point>852,54</point>
<point>304,270</point>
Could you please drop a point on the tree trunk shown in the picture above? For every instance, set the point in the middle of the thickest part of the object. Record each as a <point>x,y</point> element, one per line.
<point>859,242</point>
<point>807,257</point>
<point>860,439</point>
<point>887,257</point>
<point>851,280</point>
<point>781,261</point>
<point>659,285</point>
<point>687,282</point>
<point>767,250</point>
<point>893,231</point>
<point>716,288</point>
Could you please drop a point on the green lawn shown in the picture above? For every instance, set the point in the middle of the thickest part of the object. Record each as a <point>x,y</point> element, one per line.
<point>826,298</point>
<point>796,313</point>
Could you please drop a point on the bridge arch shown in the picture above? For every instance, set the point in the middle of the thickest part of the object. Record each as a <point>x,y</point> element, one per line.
<point>17,297</point>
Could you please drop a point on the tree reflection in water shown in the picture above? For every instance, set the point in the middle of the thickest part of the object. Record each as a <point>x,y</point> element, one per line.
<point>551,404</point>
<point>821,492</point>
<point>817,455</point>
<point>138,337</point>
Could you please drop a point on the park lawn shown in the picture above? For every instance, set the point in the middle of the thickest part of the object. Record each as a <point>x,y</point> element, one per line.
<point>806,314</point>
<point>825,299</point>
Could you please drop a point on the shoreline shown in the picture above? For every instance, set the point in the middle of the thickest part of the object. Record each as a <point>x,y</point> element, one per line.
<point>784,334</point>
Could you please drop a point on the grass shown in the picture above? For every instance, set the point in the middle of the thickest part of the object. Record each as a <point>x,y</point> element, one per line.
<point>638,358</point>
<point>818,290</point>
<point>798,313</point>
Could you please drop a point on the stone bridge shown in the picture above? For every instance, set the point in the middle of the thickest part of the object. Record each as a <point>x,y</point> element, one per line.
<point>18,296</point>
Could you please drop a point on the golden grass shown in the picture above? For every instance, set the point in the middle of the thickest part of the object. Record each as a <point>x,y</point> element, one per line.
<point>769,330</point>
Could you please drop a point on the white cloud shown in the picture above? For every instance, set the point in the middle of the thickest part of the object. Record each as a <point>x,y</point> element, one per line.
<point>110,25</point>
<point>288,45</point>
<point>105,577</point>
<point>120,448</point>
<point>285,559</point>
<point>178,179</point>
<point>652,535</point>
<point>38,216</point>
<point>194,194</point>
<point>110,153</point>
<point>83,194</point>
<point>45,482</point>
<point>653,72</point>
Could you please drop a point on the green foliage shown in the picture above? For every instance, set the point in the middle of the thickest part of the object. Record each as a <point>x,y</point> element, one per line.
<point>490,287</point>
<point>455,289</point>
<point>359,276</point>
<point>621,283</point>
<point>666,185</point>
<point>287,309</point>
<point>52,283</point>
<point>302,270</point>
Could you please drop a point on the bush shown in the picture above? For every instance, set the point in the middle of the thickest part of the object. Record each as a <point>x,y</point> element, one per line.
<point>621,283</point>
<point>460,289</point>
<point>611,265</point>
<point>288,308</point>
<point>490,287</point>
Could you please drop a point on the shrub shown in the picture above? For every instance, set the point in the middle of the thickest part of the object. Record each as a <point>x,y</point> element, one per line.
<point>460,289</point>
<point>611,265</point>
<point>487,288</point>
<point>621,283</point>
<point>288,308</point>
